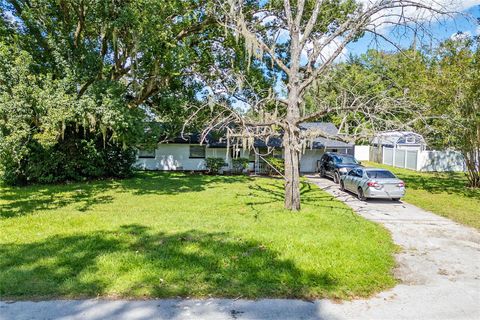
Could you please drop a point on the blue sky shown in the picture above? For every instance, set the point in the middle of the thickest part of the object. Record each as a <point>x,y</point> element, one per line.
<point>440,31</point>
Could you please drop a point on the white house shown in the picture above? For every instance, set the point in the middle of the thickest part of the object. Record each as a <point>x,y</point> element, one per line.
<point>189,155</point>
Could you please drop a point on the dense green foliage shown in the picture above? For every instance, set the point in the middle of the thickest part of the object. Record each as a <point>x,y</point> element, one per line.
<point>106,71</point>
<point>275,166</point>
<point>454,100</point>
<point>239,164</point>
<point>168,235</point>
<point>214,165</point>
<point>74,159</point>
<point>379,81</point>
<point>437,91</point>
<point>48,134</point>
<point>101,71</point>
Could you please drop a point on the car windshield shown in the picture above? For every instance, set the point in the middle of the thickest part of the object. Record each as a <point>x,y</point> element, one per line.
<point>380,174</point>
<point>344,160</point>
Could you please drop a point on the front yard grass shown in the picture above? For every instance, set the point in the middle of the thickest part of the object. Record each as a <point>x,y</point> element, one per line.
<point>180,235</point>
<point>445,194</point>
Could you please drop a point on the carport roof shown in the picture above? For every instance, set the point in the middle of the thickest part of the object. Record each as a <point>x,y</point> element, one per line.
<point>330,130</point>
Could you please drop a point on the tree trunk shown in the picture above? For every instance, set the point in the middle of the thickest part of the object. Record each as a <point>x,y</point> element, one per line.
<point>471,154</point>
<point>291,137</point>
<point>292,172</point>
<point>472,161</point>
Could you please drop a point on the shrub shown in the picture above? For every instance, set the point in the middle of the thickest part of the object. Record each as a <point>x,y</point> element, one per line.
<point>73,158</point>
<point>214,164</point>
<point>239,164</point>
<point>120,160</point>
<point>275,166</point>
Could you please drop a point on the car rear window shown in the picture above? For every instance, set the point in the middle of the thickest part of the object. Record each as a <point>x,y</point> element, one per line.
<point>380,174</point>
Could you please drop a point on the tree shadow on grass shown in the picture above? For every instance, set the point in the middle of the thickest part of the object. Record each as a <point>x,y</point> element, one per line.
<point>17,201</point>
<point>310,196</point>
<point>133,261</point>
<point>175,182</point>
<point>449,182</point>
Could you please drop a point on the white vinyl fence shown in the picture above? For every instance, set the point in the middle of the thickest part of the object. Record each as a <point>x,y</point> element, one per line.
<point>362,153</point>
<point>418,160</point>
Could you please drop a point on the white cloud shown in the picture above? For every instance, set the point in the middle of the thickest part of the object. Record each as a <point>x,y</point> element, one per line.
<point>384,22</point>
<point>455,5</point>
<point>467,4</point>
<point>461,35</point>
<point>326,53</point>
<point>388,18</point>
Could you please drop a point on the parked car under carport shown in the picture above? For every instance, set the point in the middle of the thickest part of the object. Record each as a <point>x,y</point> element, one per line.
<point>335,165</point>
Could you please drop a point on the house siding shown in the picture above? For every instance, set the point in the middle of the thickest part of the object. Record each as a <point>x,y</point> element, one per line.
<point>173,156</point>
<point>308,161</point>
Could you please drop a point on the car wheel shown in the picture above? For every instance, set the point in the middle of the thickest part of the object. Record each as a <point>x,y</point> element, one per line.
<point>336,177</point>
<point>322,173</point>
<point>360,195</point>
<point>396,199</point>
<point>342,186</point>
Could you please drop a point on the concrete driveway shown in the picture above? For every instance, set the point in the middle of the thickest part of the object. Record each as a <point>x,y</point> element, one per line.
<point>439,270</point>
<point>439,266</point>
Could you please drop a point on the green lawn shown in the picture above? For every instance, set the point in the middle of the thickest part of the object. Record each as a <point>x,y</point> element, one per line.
<point>174,234</point>
<point>445,194</point>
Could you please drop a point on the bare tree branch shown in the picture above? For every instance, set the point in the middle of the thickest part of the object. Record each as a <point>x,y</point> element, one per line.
<point>306,57</point>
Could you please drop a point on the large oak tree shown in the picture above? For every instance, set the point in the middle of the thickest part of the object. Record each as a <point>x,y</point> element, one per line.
<point>296,43</point>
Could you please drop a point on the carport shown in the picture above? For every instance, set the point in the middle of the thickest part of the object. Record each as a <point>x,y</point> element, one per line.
<point>308,160</point>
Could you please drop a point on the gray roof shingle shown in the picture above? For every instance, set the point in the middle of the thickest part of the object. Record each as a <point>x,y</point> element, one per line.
<point>318,143</point>
<point>329,129</point>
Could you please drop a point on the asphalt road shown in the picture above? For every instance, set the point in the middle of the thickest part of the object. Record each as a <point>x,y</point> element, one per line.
<point>438,269</point>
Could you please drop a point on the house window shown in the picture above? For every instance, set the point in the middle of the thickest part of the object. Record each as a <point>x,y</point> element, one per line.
<point>146,154</point>
<point>410,139</point>
<point>197,152</point>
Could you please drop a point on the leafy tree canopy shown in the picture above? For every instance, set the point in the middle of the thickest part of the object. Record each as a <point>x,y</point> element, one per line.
<point>441,85</point>
<point>96,71</point>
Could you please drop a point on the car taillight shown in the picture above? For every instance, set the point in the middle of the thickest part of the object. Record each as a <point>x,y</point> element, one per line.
<point>373,184</point>
<point>401,184</point>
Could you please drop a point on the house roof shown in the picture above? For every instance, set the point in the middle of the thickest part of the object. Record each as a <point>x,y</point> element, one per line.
<point>330,130</point>
<point>326,128</point>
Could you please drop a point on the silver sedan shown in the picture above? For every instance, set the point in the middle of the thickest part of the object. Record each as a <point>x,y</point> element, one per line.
<point>373,183</point>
